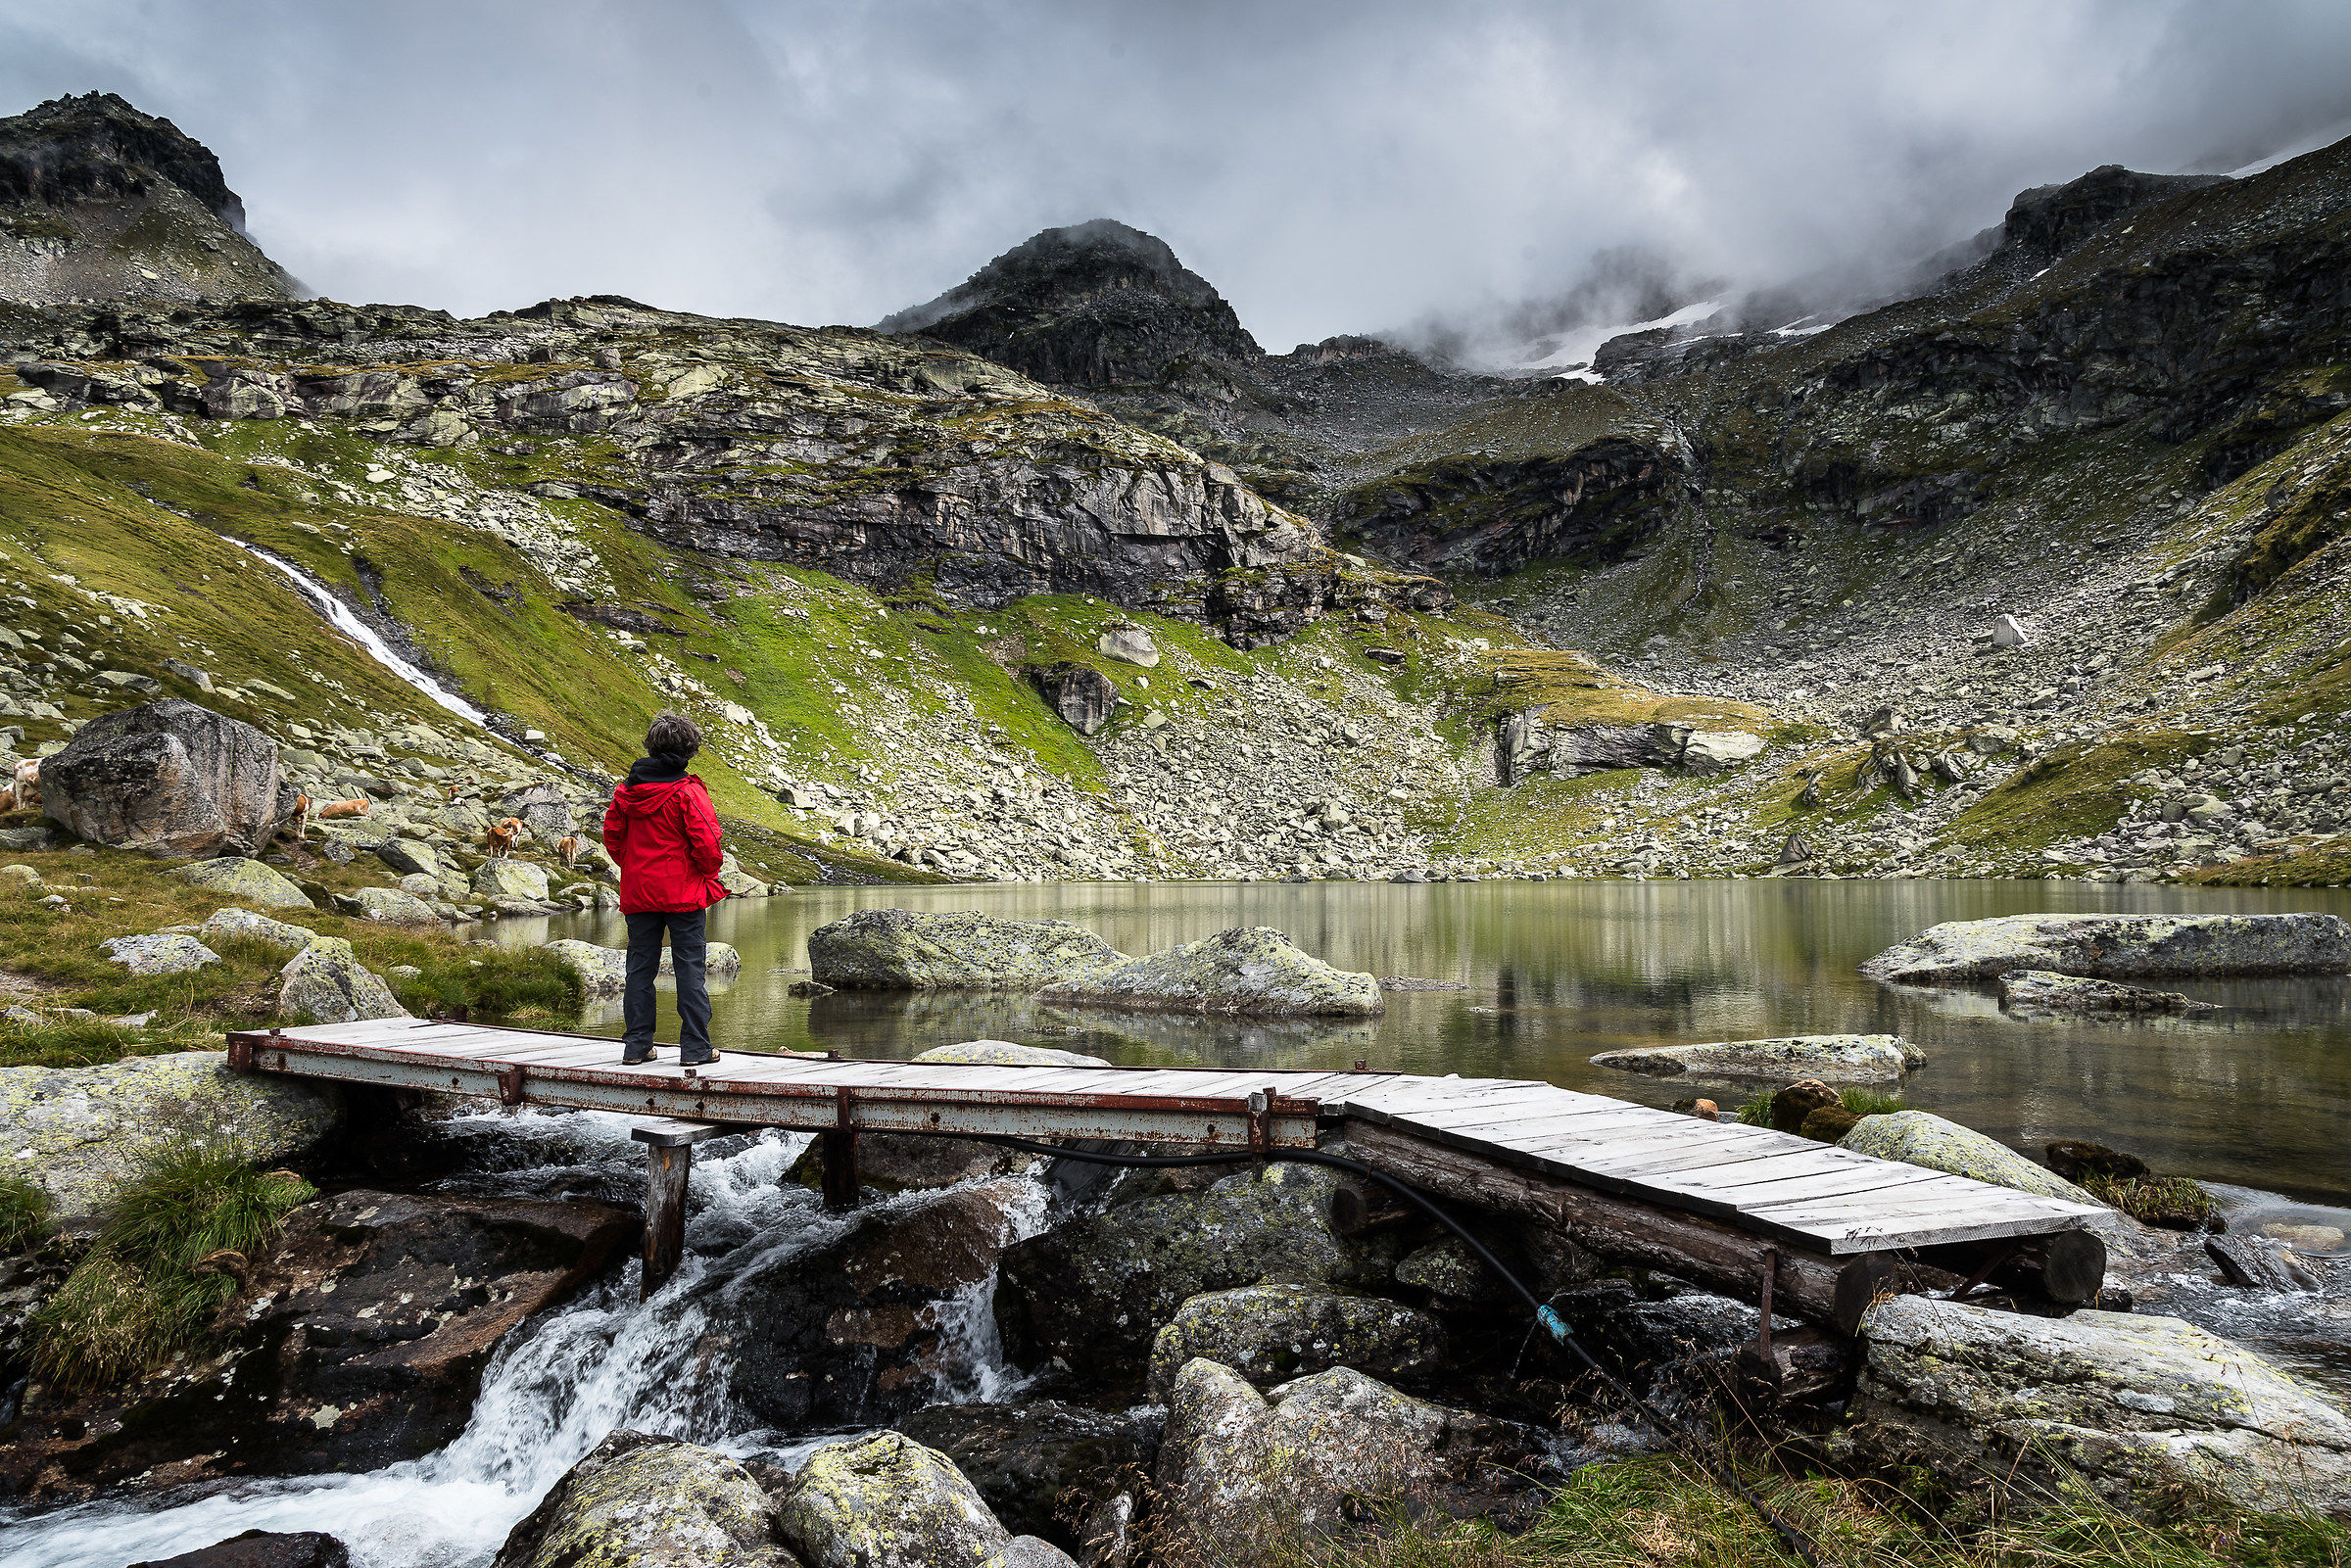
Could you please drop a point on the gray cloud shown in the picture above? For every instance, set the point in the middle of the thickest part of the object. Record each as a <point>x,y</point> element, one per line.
<point>1333,167</point>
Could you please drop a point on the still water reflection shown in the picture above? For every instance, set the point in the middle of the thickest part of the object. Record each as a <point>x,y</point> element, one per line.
<point>1555,972</point>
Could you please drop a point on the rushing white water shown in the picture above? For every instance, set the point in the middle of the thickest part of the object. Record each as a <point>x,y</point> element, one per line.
<point>551,1393</point>
<point>338,615</point>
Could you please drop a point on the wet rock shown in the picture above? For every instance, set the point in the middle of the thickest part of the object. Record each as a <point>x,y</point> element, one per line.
<point>2252,1263</point>
<point>391,906</point>
<point>248,881</point>
<point>886,1502</point>
<point>325,984</point>
<point>1248,1479</point>
<point>894,1161</point>
<point>600,971</point>
<point>509,878</point>
<point>1923,1138</point>
<point>656,1502</point>
<point>1791,1105</point>
<point>262,1549</point>
<point>2043,991</point>
<point>1271,1332</point>
<point>1830,1058</point>
<point>168,777</point>
<point>1095,1292</point>
<point>2146,1409</point>
<point>1454,1276</point>
<point>859,1328</point>
<point>158,953</point>
<point>86,1127</point>
<point>1828,1124</point>
<point>235,924</point>
<point>1081,694</point>
<point>899,949</point>
<point>1004,1053</point>
<point>2119,947</point>
<point>2074,1160</point>
<point>1252,971</point>
<point>360,1341</point>
<point>1042,1467</point>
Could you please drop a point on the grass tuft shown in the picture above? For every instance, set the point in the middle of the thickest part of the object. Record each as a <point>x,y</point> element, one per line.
<point>2174,1203</point>
<point>1871,1102</point>
<point>1756,1112</point>
<point>23,1213</point>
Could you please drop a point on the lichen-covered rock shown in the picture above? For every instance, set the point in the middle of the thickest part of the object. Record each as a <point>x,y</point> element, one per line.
<point>158,953</point>
<point>720,961</point>
<point>165,776</point>
<point>1249,969</point>
<point>2119,947</point>
<point>903,950</point>
<point>2044,991</point>
<point>1452,1275</point>
<point>1037,1465</point>
<point>409,857</point>
<point>1922,1138</point>
<point>542,807</point>
<point>1246,1478</point>
<point>508,878</point>
<point>1004,1053</point>
<point>248,881</point>
<point>78,1132</point>
<point>324,983</point>
<point>886,1502</point>
<point>1835,1058</point>
<point>1270,1333</point>
<point>2147,1409</point>
<point>392,907</point>
<point>600,971</point>
<point>235,921</point>
<point>643,1501</point>
<point>1095,1292</point>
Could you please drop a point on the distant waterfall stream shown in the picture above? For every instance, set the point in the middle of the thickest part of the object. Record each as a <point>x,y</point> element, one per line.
<point>338,615</point>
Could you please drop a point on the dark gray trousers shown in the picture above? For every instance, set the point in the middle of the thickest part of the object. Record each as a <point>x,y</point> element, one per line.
<point>688,947</point>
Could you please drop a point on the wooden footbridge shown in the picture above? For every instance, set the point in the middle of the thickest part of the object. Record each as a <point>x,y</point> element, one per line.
<point>1810,1230</point>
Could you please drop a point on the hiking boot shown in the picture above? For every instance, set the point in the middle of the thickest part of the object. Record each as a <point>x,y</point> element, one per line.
<point>698,1060</point>
<point>636,1059</point>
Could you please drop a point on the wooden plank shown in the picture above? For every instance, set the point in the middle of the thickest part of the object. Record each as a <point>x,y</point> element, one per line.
<point>1511,1121</point>
<point>1490,1109</point>
<point>1697,1192</point>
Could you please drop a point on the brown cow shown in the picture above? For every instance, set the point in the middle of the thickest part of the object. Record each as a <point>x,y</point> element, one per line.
<point>567,849</point>
<point>297,827</point>
<point>28,784</point>
<point>499,839</point>
<point>328,811</point>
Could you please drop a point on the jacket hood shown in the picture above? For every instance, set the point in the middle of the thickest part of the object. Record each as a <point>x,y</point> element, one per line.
<point>659,767</point>
<point>641,798</point>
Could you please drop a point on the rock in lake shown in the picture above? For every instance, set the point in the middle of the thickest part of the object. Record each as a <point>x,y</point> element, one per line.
<point>1833,1058</point>
<point>1922,1138</point>
<point>2119,947</point>
<point>1036,1464</point>
<point>600,971</point>
<point>262,1549</point>
<point>248,881</point>
<point>720,961</point>
<point>86,1127</point>
<point>1248,1479</point>
<point>161,954</point>
<point>325,982</point>
<point>170,778</point>
<point>1004,1053</point>
<point>886,1502</point>
<point>1271,1332</point>
<point>510,877</point>
<point>643,1501</point>
<point>2044,991</point>
<point>1251,971</point>
<point>2147,1409</point>
<point>900,950</point>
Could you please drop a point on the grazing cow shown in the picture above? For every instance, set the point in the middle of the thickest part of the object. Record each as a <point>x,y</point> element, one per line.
<point>358,806</point>
<point>297,827</point>
<point>567,849</point>
<point>28,784</point>
<point>499,840</point>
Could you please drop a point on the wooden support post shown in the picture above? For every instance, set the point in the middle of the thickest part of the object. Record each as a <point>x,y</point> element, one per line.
<point>668,1162</point>
<point>2069,1267</point>
<point>1833,1291</point>
<point>836,1150</point>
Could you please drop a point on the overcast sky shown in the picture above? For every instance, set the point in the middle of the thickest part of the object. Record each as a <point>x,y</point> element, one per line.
<point>1349,166</point>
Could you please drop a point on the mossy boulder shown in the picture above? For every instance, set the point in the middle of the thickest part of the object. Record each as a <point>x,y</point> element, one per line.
<point>170,778</point>
<point>1271,1332</point>
<point>2148,1410</point>
<point>903,950</point>
<point>886,1502</point>
<point>600,971</point>
<point>325,984</point>
<point>248,881</point>
<point>1833,1058</point>
<point>159,952</point>
<point>643,1501</point>
<point>1794,1104</point>
<point>1250,971</point>
<point>392,907</point>
<point>2119,947</point>
<point>239,922</point>
<point>1922,1138</point>
<point>1040,1464</point>
<point>80,1131</point>
<point>508,878</point>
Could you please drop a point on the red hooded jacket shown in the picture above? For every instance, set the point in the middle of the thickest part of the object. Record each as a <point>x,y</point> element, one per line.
<point>663,835</point>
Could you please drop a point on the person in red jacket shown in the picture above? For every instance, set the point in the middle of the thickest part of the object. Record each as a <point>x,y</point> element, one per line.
<point>662,834</point>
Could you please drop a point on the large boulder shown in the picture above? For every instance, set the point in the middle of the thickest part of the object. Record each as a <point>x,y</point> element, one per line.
<point>262,1549</point>
<point>237,923</point>
<point>600,971</point>
<point>643,1501</point>
<point>1271,1332</point>
<point>159,952</point>
<point>508,878</point>
<point>1039,1466</point>
<point>248,881</point>
<point>358,1342</point>
<point>1248,1478</point>
<point>2119,947</point>
<point>1253,970</point>
<point>543,808</point>
<point>1923,1138</point>
<point>887,1501</point>
<point>901,950</point>
<point>1083,696</point>
<point>903,1162</point>
<point>1833,1057</point>
<point>1006,1053</point>
<point>720,961</point>
<point>2150,1411</point>
<point>80,1131</point>
<point>1093,1293</point>
<point>2044,991</point>
<point>391,907</point>
<point>167,777</point>
<point>324,983</point>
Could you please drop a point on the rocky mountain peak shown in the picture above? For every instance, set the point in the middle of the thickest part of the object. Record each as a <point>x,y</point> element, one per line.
<point>96,145</point>
<point>2049,220</point>
<point>1096,303</point>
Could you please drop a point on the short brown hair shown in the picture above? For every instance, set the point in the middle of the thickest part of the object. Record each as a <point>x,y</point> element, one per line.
<point>672,734</point>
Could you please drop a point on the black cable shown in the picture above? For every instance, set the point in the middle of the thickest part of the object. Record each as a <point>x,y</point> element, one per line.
<point>1556,1326</point>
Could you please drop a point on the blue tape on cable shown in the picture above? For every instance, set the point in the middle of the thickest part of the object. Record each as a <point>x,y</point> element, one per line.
<point>1554,1322</point>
